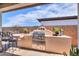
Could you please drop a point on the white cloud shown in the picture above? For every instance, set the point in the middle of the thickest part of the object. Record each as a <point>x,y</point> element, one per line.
<point>21,18</point>
<point>54,10</point>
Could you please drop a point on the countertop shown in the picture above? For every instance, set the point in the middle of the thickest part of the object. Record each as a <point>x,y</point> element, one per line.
<point>63,36</point>
<point>22,35</point>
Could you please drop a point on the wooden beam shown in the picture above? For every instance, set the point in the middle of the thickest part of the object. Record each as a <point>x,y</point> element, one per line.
<point>18,6</point>
<point>58,18</point>
<point>2,5</point>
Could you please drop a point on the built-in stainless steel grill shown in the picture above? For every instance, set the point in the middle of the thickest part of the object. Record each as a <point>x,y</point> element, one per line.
<point>38,35</point>
<point>38,40</point>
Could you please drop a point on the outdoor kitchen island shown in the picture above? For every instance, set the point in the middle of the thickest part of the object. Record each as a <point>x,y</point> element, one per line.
<point>58,44</point>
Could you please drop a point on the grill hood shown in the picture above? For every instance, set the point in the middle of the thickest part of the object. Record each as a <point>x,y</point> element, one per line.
<point>44,30</point>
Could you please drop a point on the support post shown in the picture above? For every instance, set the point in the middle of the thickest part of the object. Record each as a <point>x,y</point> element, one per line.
<point>78,33</point>
<point>78,26</point>
<point>0,21</point>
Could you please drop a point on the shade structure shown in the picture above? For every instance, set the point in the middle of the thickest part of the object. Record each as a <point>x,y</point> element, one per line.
<point>60,22</point>
<point>78,34</point>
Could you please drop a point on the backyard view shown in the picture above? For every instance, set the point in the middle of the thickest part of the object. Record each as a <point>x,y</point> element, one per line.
<point>40,30</point>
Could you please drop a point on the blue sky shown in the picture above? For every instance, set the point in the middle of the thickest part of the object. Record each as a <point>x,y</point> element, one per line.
<point>29,16</point>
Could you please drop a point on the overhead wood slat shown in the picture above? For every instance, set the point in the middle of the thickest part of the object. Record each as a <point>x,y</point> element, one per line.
<point>2,5</point>
<point>18,6</point>
<point>58,18</point>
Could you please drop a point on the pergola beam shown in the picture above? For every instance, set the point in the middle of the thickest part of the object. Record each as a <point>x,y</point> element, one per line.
<point>18,6</point>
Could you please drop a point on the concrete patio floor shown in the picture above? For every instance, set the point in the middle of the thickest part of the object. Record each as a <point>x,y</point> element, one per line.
<point>7,54</point>
<point>23,52</point>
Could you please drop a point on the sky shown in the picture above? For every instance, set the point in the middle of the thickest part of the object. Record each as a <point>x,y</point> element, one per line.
<point>28,16</point>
